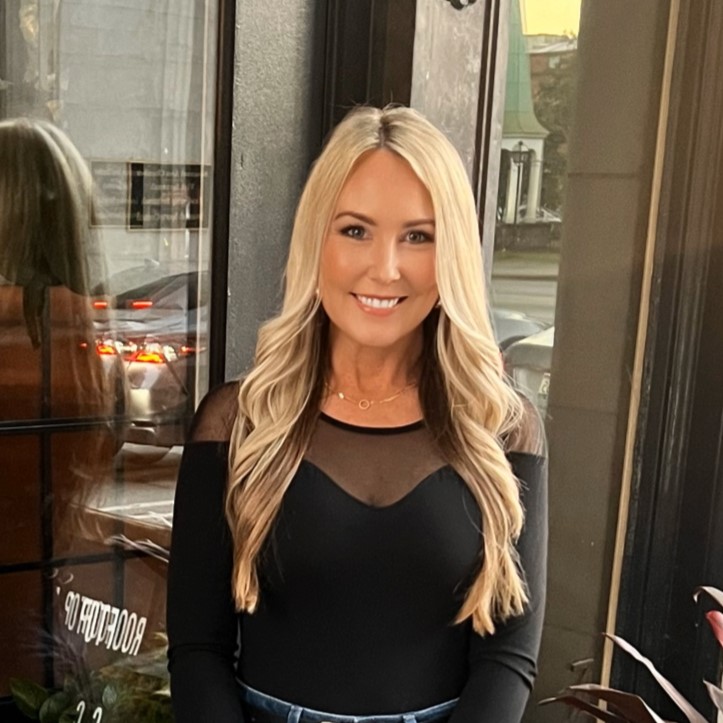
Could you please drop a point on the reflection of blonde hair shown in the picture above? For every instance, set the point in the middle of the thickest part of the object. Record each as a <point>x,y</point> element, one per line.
<point>49,254</point>
<point>467,404</point>
<point>46,211</point>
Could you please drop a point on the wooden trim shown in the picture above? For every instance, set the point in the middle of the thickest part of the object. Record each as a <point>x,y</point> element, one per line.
<point>637,375</point>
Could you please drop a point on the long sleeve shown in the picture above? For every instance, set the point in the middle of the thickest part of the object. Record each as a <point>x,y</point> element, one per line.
<point>202,623</point>
<point>502,667</point>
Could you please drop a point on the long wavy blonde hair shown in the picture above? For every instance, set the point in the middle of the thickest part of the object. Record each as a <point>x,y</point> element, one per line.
<point>466,401</point>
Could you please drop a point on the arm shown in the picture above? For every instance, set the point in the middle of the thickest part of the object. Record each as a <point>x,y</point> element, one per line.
<point>202,621</point>
<point>502,667</point>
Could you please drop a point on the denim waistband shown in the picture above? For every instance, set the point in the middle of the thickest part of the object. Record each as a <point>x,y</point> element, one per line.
<point>291,713</point>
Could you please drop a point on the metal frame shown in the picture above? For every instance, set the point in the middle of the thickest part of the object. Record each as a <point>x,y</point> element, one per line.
<point>221,190</point>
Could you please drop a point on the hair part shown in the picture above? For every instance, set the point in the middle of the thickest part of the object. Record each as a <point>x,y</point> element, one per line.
<point>467,403</point>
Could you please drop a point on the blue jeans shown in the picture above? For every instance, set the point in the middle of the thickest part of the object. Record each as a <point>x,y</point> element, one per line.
<point>274,710</point>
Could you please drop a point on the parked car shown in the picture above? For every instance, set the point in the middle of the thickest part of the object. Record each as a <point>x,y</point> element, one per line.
<point>159,329</point>
<point>528,362</point>
<point>511,326</point>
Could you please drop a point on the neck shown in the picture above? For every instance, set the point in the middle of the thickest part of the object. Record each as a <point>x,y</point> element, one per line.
<point>373,371</point>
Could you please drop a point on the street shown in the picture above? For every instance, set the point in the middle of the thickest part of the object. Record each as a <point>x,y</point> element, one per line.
<point>534,297</point>
<point>525,282</point>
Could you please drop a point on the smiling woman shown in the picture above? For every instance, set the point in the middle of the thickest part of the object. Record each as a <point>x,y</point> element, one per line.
<point>377,280</point>
<point>374,465</point>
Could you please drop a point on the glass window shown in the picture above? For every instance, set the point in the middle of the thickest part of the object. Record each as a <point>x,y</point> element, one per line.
<point>582,105</point>
<point>103,336</point>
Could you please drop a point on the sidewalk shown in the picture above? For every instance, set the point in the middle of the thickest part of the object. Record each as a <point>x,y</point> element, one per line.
<point>535,265</point>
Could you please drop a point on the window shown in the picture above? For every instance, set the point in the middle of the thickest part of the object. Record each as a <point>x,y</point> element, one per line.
<point>98,388</point>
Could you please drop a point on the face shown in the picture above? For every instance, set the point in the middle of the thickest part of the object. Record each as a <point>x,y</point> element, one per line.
<point>377,277</point>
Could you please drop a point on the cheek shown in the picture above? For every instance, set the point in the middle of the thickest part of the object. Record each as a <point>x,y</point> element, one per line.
<point>426,275</point>
<point>337,267</point>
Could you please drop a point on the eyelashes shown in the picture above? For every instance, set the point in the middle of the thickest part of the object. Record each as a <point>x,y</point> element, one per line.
<point>354,231</point>
<point>419,237</point>
<point>413,236</point>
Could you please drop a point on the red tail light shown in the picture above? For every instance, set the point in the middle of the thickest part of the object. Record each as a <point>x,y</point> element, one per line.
<point>141,304</point>
<point>100,304</point>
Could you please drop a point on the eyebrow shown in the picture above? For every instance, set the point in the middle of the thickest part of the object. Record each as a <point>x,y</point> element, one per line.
<point>365,219</point>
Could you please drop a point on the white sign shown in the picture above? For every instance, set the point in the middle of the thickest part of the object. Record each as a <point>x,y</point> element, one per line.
<point>103,624</point>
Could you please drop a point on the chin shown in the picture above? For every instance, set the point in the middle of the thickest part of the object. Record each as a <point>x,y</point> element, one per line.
<point>377,339</point>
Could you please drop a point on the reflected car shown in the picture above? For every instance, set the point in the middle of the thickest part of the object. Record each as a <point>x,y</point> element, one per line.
<point>528,363</point>
<point>512,326</point>
<point>159,330</point>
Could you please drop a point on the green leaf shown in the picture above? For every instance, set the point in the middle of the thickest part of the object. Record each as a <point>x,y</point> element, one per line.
<point>70,685</point>
<point>28,696</point>
<point>54,707</point>
<point>109,697</point>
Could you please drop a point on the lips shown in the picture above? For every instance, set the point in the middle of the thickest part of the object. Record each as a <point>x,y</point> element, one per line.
<point>377,302</point>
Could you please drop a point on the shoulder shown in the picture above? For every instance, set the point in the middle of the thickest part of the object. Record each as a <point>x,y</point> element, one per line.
<point>216,414</point>
<point>527,434</point>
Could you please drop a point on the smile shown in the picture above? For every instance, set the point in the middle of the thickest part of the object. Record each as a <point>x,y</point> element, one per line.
<point>376,303</point>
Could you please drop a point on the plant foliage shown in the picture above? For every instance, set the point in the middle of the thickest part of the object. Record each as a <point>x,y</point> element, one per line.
<point>615,706</point>
<point>128,690</point>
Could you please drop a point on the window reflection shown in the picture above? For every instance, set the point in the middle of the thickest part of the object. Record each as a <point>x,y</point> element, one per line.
<point>100,381</point>
<point>540,86</point>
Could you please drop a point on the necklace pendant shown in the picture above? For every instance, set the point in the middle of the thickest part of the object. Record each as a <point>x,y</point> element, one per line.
<point>364,404</point>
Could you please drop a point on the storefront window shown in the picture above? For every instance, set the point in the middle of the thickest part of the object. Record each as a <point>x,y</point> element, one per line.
<point>103,338</point>
<point>573,195</point>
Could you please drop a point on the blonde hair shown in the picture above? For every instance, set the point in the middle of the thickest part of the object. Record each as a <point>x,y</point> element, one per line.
<point>50,255</point>
<point>46,213</point>
<point>467,403</point>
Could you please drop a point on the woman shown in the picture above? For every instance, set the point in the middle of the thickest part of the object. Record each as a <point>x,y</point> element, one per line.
<point>370,468</point>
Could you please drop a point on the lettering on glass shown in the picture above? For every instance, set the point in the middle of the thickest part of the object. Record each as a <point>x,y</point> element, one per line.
<point>162,196</point>
<point>80,710</point>
<point>104,625</point>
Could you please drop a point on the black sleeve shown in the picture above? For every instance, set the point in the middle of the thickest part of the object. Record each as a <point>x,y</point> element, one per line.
<point>502,667</point>
<point>202,622</point>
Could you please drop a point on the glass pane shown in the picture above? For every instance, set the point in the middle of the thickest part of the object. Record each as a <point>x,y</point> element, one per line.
<point>106,137</point>
<point>573,197</point>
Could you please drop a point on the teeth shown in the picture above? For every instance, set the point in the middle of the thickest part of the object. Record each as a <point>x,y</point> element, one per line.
<point>378,303</point>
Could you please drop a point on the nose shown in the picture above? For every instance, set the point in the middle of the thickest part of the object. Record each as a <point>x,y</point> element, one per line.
<point>385,261</point>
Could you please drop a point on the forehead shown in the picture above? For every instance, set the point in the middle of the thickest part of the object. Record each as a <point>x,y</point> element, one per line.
<point>382,179</point>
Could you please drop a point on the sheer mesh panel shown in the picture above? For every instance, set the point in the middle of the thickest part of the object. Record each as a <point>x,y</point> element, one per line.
<point>215,415</point>
<point>376,466</point>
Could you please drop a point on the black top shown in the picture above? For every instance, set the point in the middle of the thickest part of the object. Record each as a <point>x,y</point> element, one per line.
<point>366,567</point>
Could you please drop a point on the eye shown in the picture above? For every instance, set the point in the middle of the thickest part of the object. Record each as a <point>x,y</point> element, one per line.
<point>356,232</point>
<point>416,236</point>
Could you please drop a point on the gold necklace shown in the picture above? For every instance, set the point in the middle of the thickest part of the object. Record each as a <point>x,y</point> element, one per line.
<point>364,404</point>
